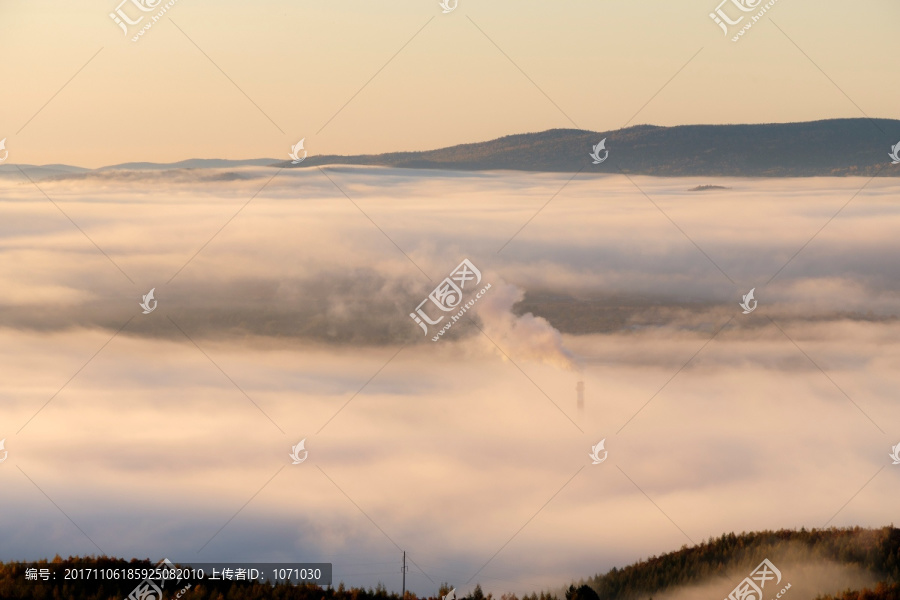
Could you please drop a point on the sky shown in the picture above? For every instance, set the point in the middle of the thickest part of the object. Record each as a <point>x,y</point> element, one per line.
<point>172,439</point>
<point>242,80</point>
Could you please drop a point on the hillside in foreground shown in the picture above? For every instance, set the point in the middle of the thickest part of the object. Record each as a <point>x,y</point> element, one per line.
<point>816,563</point>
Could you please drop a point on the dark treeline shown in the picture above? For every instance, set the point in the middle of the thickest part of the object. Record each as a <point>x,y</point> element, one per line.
<point>876,551</point>
<point>15,586</point>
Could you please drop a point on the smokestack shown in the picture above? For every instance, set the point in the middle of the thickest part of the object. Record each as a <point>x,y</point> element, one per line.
<point>579,387</point>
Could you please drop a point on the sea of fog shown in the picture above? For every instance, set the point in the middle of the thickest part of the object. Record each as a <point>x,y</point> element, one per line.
<point>283,315</point>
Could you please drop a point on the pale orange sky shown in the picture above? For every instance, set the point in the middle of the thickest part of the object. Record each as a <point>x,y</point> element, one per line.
<point>161,99</point>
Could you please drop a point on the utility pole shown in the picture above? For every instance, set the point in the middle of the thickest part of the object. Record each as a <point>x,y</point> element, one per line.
<point>404,570</point>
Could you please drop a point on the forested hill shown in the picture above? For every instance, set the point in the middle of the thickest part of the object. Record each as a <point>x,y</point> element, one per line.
<point>732,557</point>
<point>833,559</point>
<point>836,147</point>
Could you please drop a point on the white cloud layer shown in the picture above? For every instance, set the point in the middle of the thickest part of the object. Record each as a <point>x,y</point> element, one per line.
<point>449,447</point>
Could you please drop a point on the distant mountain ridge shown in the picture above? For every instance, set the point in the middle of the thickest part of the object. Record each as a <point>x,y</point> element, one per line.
<point>193,163</point>
<point>835,147</point>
